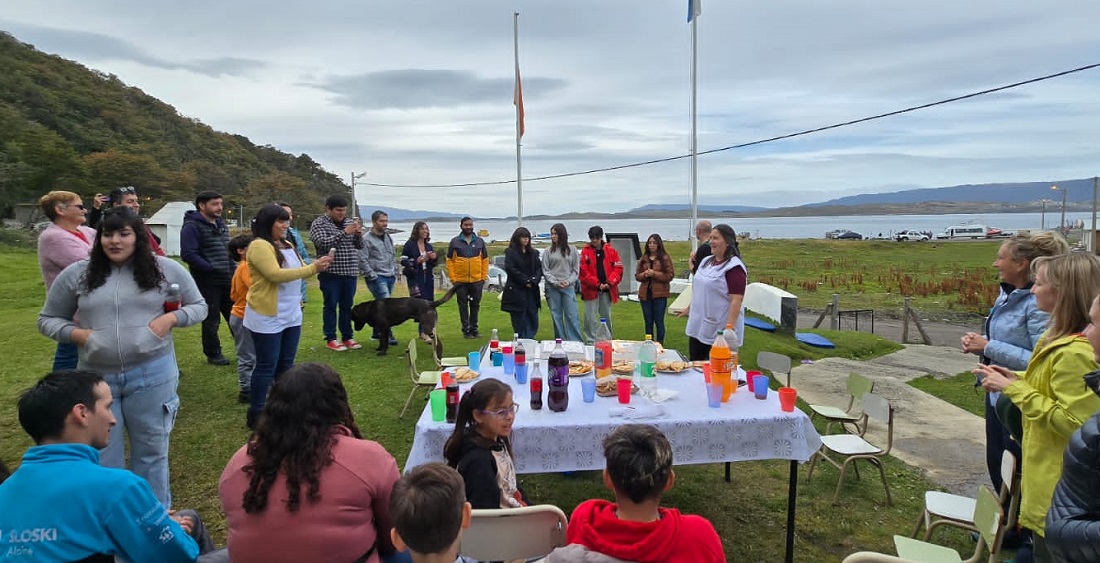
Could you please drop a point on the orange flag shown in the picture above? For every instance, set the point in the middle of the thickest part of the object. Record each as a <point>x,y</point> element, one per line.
<point>517,100</point>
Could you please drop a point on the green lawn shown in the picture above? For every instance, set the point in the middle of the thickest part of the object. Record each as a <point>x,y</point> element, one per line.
<point>959,390</point>
<point>748,513</point>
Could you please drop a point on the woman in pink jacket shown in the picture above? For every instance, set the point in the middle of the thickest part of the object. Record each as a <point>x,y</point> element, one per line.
<point>65,241</point>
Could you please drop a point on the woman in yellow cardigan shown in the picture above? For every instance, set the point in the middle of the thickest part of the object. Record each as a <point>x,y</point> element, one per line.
<point>273,313</point>
<point>1051,394</point>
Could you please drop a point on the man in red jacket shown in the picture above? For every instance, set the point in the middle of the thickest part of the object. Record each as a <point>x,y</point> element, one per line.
<point>601,272</point>
<point>635,527</point>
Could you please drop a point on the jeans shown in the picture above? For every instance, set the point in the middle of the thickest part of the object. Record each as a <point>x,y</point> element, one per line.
<point>246,352</point>
<point>274,354</point>
<point>381,287</point>
<point>562,302</point>
<point>339,294</point>
<point>65,357</point>
<point>525,323</point>
<point>145,406</point>
<point>469,304</point>
<point>218,303</point>
<point>594,310</point>
<point>653,311</point>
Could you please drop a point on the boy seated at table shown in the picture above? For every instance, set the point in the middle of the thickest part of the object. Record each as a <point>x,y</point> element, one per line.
<point>429,512</point>
<point>635,527</point>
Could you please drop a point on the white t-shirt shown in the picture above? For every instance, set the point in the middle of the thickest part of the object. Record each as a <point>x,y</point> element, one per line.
<point>290,303</point>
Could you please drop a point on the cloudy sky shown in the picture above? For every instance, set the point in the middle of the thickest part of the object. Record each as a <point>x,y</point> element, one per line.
<point>420,91</point>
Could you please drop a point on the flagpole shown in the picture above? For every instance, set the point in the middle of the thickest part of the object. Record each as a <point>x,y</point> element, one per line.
<point>694,145</point>
<point>519,123</point>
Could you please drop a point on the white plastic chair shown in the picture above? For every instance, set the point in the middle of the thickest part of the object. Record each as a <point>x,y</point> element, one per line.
<point>946,509</point>
<point>420,379</point>
<point>853,447</point>
<point>501,534</point>
<point>858,386</point>
<point>775,363</point>
<point>445,362</point>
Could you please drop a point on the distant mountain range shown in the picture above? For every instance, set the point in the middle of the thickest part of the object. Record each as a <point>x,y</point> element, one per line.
<point>1018,192</point>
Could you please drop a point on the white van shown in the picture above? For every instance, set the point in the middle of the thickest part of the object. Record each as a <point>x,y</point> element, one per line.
<point>964,231</point>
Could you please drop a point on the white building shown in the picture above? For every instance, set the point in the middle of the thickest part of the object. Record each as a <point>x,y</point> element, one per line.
<point>166,224</point>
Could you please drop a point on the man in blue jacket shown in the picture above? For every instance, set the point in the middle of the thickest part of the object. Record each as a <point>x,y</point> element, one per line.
<point>61,505</point>
<point>204,245</point>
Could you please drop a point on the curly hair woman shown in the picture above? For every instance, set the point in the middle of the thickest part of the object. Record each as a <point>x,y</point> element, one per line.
<point>124,331</point>
<point>307,486</point>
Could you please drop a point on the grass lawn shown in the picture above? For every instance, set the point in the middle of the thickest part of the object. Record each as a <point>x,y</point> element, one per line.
<point>748,513</point>
<point>958,390</point>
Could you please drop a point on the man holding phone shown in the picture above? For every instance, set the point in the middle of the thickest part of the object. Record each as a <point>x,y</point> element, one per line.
<point>340,236</point>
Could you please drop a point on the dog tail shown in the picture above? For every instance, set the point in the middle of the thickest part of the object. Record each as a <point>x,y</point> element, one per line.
<point>446,297</point>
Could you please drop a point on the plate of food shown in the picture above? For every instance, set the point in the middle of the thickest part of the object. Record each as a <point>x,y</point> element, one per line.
<point>608,387</point>
<point>623,368</point>
<point>579,368</point>
<point>464,374</point>
<point>677,366</point>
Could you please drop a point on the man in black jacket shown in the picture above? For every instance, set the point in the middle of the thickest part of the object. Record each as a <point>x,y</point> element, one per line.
<point>204,245</point>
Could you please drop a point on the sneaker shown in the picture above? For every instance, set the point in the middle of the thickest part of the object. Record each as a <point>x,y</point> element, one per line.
<point>218,360</point>
<point>469,336</point>
<point>475,334</point>
<point>393,341</point>
<point>244,397</point>
<point>335,346</point>
<point>351,344</point>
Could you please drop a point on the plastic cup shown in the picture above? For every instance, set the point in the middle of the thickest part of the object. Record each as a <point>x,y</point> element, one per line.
<point>706,372</point>
<point>444,379</point>
<point>497,358</point>
<point>714,395</point>
<point>787,398</point>
<point>588,389</point>
<point>726,381</point>
<point>438,400</point>
<point>623,386</point>
<point>473,359</point>
<point>509,361</point>
<point>760,386</point>
<point>748,379</point>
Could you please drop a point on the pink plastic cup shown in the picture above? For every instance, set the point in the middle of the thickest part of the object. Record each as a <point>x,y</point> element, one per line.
<point>623,387</point>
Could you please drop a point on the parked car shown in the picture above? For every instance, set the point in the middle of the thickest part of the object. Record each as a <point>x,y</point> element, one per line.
<point>497,277</point>
<point>849,235</point>
<point>910,235</point>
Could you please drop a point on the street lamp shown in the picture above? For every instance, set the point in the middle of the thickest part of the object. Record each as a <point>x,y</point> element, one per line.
<point>1064,193</point>
<point>355,206</point>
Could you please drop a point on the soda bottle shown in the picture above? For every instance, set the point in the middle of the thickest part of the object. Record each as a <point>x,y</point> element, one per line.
<point>494,341</point>
<point>521,362</point>
<point>558,374</point>
<point>647,359</point>
<point>721,364</point>
<point>452,400</point>
<point>603,350</point>
<point>734,343</point>
<point>172,298</point>
<point>536,389</point>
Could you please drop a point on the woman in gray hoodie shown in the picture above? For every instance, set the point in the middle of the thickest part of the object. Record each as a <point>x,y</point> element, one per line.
<point>124,331</point>
<point>561,266</point>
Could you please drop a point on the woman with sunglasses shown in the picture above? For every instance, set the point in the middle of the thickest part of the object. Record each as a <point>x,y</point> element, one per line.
<point>65,241</point>
<point>480,447</point>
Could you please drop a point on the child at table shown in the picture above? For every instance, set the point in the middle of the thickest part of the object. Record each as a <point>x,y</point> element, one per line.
<point>480,447</point>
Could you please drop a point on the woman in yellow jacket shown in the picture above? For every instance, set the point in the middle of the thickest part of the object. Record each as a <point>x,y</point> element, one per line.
<point>273,313</point>
<point>1051,394</point>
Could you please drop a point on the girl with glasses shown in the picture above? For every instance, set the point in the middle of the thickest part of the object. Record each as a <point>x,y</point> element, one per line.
<point>480,447</point>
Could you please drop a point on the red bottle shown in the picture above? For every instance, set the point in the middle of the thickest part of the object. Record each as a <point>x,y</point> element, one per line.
<point>172,298</point>
<point>536,389</point>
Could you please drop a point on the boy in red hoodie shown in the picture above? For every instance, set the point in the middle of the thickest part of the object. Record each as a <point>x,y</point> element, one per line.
<point>635,527</point>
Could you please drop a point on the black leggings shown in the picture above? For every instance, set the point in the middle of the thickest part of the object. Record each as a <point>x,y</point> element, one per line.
<point>697,351</point>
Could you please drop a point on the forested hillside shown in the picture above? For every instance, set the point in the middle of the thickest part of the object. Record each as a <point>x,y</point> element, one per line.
<point>64,126</point>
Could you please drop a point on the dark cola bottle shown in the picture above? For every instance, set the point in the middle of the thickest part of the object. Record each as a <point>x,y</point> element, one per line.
<point>557,398</point>
<point>536,388</point>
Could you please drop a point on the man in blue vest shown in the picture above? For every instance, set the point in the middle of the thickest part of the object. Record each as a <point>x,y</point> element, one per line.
<point>204,245</point>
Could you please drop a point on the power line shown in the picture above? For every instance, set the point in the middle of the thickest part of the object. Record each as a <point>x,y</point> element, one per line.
<point>748,144</point>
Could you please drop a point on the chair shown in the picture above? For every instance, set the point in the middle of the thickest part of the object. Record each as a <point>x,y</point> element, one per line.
<point>775,363</point>
<point>501,534</point>
<point>448,362</point>
<point>419,378</point>
<point>858,386</point>
<point>958,511</point>
<point>853,447</point>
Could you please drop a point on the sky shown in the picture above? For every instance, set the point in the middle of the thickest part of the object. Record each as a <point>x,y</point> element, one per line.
<point>419,92</point>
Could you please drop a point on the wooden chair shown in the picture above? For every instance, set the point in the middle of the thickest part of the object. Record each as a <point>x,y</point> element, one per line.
<point>946,509</point>
<point>447,362</point>
<point>502,534</point>
<point>858,386</point>
<point>853,447</point>
<point>775,363</point>
<point>427,379</point>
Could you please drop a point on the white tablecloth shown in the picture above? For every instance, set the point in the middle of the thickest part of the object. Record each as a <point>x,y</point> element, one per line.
<point>743,429</point>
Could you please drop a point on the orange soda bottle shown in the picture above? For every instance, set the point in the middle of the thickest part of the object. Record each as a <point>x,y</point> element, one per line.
<point>721,366</point>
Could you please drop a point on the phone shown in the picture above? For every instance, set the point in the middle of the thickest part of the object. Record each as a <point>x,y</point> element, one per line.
<point>332,252</point>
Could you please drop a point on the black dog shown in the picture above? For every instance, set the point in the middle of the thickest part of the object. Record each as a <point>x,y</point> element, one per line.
<point>381,314</point>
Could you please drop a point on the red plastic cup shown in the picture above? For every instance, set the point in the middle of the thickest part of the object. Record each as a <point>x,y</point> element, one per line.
<point>623,386</point>
<point>444,379</point>
<point>706,372</point>
<point>748,379</point>
<point>787,398</point>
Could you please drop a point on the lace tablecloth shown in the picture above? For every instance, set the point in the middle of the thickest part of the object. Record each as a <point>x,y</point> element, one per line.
<point>743,429</point>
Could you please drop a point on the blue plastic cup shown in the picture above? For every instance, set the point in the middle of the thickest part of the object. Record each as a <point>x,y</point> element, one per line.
<point>509,363</point>
<point>588,389</point>
<point>760,386</point>
<point>714,395</point>
<point>498,359</point>
<point>473,360</point>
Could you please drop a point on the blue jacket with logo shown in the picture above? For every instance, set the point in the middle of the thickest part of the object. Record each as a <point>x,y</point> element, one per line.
<point>61,505</point>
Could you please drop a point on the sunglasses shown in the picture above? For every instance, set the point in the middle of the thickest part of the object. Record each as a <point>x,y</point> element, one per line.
<point>505,412</point>
<point>127,190</point>
<point>79,206</point>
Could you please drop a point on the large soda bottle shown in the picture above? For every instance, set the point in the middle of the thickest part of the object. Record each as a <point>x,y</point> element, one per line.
<point>521,362</point>
<point>558,375</point>
<point>721,365</point>
<point>647,360</point>
<point>603,349</point>
<point>735,344</point>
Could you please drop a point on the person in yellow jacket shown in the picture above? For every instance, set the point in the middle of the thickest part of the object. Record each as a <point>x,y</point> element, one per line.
<point>1051,394</point>
<point>468,268</point>
<point>273,309</point>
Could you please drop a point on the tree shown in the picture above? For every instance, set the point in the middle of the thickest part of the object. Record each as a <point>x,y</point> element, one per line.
<point>280,186</point>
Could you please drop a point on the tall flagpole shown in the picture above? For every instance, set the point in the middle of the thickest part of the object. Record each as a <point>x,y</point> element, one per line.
<point>519,123</point>
<point>693,14</point>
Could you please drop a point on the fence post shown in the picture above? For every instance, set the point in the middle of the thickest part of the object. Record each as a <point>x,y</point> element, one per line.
<point>905,322</point>
<point>834,320</point>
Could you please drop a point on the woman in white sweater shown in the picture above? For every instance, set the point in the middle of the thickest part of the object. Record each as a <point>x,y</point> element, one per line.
<point>561,266</point>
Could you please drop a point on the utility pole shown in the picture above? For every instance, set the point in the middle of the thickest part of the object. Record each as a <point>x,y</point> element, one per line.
<point>354,205</point>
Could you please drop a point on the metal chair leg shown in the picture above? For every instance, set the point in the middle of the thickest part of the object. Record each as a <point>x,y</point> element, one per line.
<point>840,482</point>
<point>885,484</point>
<point>407,401</point>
